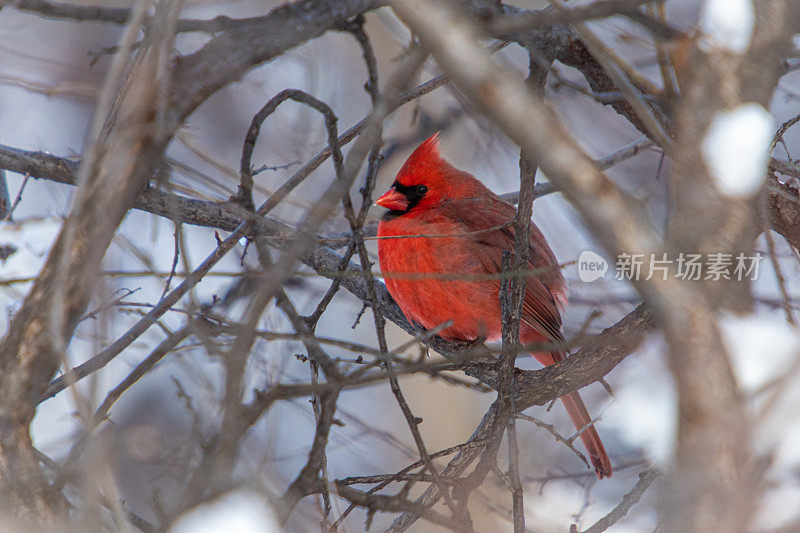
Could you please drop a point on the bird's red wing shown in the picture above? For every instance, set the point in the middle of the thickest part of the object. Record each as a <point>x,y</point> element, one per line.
<point>488,221</point>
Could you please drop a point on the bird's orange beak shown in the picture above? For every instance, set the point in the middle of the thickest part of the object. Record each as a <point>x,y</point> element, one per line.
<point>393,200</point>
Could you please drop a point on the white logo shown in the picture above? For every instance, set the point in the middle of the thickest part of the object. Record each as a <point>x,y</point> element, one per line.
<point>591,266</point>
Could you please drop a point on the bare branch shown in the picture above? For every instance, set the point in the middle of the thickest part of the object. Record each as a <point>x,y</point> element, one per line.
<point>41,329</point>
<point>646,479</point>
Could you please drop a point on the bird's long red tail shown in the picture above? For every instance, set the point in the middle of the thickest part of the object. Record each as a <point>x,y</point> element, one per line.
<point>581,418</point>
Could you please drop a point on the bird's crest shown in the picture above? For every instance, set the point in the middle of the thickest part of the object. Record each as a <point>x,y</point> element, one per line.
<point>422,160</point>
<point>426,152</point>
<point>430,147</point>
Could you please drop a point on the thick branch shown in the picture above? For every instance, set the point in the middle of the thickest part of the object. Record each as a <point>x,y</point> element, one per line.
<point>121,162</point>
<point>253,42</point>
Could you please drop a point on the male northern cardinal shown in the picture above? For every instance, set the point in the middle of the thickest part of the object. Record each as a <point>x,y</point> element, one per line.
<point>431,197</point>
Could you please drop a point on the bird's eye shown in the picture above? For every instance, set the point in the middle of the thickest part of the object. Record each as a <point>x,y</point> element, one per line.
<point>421,189</point>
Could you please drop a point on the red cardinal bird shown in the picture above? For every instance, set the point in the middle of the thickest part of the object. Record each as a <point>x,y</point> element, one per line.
<point>431,197</point>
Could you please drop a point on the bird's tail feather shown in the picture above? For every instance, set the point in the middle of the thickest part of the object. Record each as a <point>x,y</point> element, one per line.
<point>580,417</point>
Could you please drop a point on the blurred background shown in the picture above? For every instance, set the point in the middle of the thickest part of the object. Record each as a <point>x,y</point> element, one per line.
<point>50,75</point>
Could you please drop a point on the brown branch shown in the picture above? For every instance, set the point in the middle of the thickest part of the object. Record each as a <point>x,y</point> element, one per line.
<point>568,442</point>
<point>512,295</point>
<point>245,195</point>
<point>383,503</point>
<point>219,459</point>
<point>714,423</point>
<point>646,479</point>
<point>164,347</point>
<point>121,162</point>
<point>6,206</point>
<point>121,15</point>
<point>101,413</point>
<point>521,22</point>
<point>587,365</point>
<point>308,474</point>
<point>108,354</point>
<point>545,385</point>
<point>59,10</point>
<point>619,72</point>
<point>784,205</point>
<point>252,42</point>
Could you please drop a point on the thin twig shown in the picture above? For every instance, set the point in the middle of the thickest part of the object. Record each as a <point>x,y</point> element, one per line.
<point>646,479</point>
<point>568,442</point>
<point>18,198</point>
